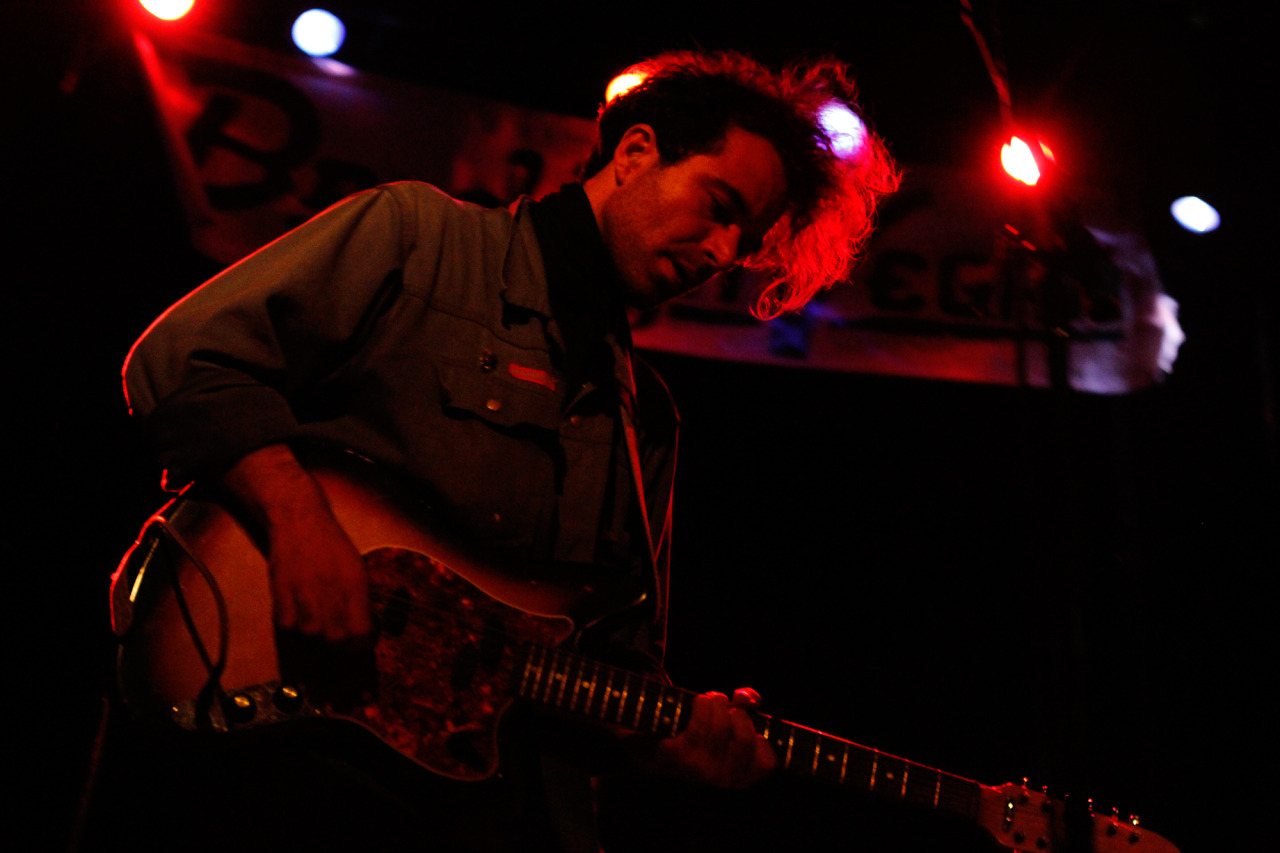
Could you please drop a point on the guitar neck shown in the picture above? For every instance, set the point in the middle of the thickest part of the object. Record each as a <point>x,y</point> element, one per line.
<point>608,694</point>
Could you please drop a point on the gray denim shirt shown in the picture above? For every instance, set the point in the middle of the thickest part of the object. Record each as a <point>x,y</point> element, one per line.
<point>417,331</point>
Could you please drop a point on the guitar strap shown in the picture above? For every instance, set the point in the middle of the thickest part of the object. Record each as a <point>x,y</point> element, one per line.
<point>637,479</point>
<point>627,409</point>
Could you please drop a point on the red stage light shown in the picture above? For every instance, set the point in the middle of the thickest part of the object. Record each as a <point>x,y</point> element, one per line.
<point>168,10</point>
<point>1019,162</point>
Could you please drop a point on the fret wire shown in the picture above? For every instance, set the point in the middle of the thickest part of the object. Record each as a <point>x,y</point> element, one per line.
<point>608,689</point>
<point>791,743</point>
<point>528,666</point>
<point>539,671</point>
<point>875,760</point>
<point>577,684</point>
<point>552,667</point>
<point>906,771</point>
<point>551,681</point>
<point>639,706</point>
<point>571,681</point>
<point>591,694</point>
<point>675,722</point>
<point>844,764</point>
<point>937,789</point>
<point>626,688</point>
<point>563,675</point>
<point>532,669</point>
<point>657,709</point>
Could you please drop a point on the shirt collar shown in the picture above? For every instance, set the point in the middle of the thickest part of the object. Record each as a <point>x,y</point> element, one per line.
<point>583,288</point>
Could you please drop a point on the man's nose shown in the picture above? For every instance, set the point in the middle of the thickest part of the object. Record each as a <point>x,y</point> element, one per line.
<point>721,246</point>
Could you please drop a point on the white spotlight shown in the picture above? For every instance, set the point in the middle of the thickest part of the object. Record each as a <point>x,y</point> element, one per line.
<point>1195,214</point>
<point>318,33</point>
<point>845,130</point>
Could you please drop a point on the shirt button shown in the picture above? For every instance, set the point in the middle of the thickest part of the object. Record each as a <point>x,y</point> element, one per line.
<point>488,361</point>
<point>494,405</point>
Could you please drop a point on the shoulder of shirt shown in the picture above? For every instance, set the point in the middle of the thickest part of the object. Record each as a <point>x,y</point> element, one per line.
<point>430,197</point>
<point>509,231</point>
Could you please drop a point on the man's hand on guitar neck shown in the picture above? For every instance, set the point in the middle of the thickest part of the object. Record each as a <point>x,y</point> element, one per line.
<point>719,747</point>
<point>319,587</point>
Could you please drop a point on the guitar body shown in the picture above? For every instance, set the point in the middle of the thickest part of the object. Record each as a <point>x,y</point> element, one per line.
<point>452,630</point>
<point>458,641</point>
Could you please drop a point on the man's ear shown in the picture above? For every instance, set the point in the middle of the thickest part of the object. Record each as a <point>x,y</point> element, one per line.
<point>636,152</point>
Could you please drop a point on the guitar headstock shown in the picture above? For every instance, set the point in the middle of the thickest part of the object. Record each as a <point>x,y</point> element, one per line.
<point>1027,820</point>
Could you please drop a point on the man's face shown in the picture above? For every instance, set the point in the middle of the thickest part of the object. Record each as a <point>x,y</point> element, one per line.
<point>670,227</point>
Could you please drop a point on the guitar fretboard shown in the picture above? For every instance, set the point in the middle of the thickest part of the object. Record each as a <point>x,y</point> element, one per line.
<point>570,682</point>
<point>606,693</point>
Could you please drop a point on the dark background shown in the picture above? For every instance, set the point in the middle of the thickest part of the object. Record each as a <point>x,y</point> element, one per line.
<point>1000,582</point>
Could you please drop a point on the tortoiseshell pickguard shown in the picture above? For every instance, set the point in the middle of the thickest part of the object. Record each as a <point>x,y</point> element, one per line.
<point>446,656</point>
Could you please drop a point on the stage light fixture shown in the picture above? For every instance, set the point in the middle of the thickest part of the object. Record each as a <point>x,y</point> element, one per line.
<point>1019,162</point>
<point>318,33</point>
<point>168,10</point>
<point>845,130</point>
<point>1195,214</point>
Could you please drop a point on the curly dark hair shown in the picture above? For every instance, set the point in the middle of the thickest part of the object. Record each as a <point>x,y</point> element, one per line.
<point>691,99</point>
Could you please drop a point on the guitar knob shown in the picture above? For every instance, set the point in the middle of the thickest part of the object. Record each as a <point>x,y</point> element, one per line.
<point>240,708</point>
<point>287,699</point>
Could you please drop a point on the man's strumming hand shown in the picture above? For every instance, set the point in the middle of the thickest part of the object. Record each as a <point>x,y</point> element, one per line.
<point>320,592</point>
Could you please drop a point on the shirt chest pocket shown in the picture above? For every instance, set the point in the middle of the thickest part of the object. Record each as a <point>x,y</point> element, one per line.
<point>505,385</point>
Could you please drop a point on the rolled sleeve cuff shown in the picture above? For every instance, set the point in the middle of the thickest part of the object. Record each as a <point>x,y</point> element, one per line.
<point>205,433</point>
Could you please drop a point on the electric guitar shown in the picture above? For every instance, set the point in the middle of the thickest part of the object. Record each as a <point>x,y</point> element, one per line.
<point>460,640</point>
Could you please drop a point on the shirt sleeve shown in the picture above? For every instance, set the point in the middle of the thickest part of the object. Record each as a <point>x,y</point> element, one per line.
<point>211,379</point>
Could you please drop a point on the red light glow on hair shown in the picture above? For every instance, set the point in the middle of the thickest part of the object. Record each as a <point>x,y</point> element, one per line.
<point>837,171</point>
<point>621,84</point>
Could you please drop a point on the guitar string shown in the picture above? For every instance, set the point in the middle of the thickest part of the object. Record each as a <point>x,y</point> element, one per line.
<point>570,659</point>
<point>562,663</point>
<point>418,610</point>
